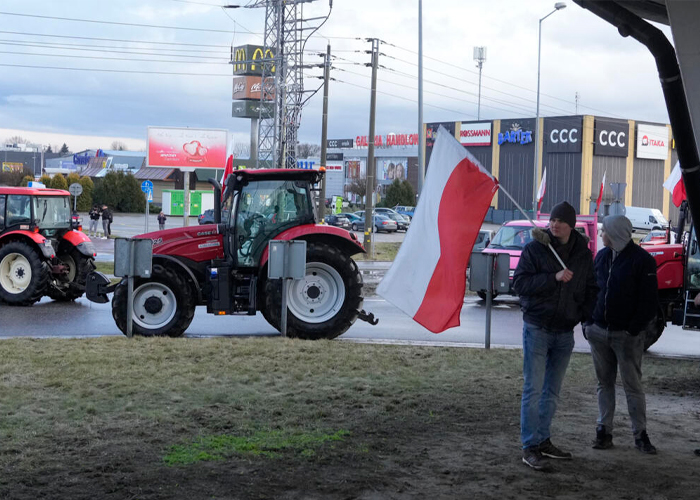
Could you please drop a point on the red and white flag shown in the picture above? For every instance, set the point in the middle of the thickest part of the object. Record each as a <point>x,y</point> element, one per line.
<point>600,193</point>
<point>228,170</point>
<point>542,189</point>
<point>427,278</point>
<point>675,184</point>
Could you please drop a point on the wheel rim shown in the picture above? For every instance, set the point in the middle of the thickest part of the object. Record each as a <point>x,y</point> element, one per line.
<point>15,273</point>
<point>69,262</point>
<point>318,296</point>
<point>154,305</point>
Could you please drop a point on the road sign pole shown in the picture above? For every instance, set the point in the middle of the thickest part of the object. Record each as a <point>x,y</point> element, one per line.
<point>147,212</point>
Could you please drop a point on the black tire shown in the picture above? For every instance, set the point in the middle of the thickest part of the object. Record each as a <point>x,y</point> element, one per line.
<point>72,286</point>
<point>653,334</point>
<point>482,295</point>
<point>326,266</point>
<point>376,229</point>
<point>354,226</point>
<point>16,259</point>
<point>177,304</point>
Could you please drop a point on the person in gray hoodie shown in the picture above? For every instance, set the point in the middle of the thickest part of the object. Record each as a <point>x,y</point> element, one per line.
<point>627,306</point>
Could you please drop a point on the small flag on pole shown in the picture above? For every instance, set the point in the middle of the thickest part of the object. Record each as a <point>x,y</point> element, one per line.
<point>675,184</point>
<point>600,194</point>
<point>542,189</point>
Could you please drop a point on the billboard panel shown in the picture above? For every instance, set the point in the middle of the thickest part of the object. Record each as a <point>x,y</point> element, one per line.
<point>187,147</point>
<point>390,169</point>
<point>250,88</point>
<point>563,134</point>
<point>475,134</point>
<point>610,137</point>
<point>652,141</point>
<point>9,166</point>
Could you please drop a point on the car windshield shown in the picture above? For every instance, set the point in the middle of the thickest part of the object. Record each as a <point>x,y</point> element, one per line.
<point>512,237</point>
<point>52,212</point>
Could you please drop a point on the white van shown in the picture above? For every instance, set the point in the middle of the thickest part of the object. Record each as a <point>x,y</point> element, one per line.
<point>646,219</point>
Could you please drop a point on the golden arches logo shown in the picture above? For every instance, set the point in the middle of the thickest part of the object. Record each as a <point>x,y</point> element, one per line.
<point>258,50</point>
<point>239,56</point>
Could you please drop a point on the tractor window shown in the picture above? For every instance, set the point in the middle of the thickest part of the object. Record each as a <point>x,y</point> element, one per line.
<point>52,212</point>
<point>19,210</point>
<point>2,211</point>
<point>265,209</point>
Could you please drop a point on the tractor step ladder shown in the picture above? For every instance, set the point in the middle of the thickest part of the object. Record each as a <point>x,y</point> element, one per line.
<point>691,314</point>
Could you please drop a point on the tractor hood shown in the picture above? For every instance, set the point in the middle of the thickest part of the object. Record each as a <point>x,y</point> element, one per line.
<point>197,243</point>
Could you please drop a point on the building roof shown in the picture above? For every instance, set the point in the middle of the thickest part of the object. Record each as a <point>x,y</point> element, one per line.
<point>154,173</point>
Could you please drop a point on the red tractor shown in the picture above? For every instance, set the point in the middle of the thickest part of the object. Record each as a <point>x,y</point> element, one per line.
<point>40,253</point>
<point>224,265</point>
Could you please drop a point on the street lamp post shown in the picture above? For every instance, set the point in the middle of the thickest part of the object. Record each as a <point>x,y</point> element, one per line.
<point>557,6</point>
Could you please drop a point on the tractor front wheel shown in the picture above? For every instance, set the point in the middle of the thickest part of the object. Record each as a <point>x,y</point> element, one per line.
<point>163,305</point>
<point>23,275</point>
<point>70,285</point>
<point>323,304</point>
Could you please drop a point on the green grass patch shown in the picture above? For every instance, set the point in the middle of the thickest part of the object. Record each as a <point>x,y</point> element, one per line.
<point>269,444</point>
<point>382,251</point>
<point>104,267</point>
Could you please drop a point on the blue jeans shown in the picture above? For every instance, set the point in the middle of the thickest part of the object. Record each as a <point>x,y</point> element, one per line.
<point>546,356</point>
<point>611,349</point>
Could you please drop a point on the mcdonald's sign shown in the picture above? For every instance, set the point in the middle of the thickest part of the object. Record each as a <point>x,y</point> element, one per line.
<point>251,109</point>
<point>248,60</point>
<point>250,88</point>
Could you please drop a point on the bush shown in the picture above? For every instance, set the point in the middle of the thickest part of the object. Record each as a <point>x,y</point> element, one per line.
<point>85,199</point>
<point>26,180</point>
<point>15,177</point>
<point>46,180</point>
<point>121,192</point>
<point>400,193</point>
<point>58,182</point>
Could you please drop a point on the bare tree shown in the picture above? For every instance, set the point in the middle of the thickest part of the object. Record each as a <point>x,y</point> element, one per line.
<point>17,139</point>
<point>118,146</point>
<point>305,150</point>
<point>358,186</point>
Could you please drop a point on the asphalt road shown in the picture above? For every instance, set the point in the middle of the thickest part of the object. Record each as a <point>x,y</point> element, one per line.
<point>86,319</point>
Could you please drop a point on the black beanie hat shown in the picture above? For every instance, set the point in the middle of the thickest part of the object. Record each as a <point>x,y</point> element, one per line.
<point>564,211</point>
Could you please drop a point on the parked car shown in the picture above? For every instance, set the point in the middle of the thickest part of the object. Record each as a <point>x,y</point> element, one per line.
<point>482,240</point>
<point>405,210</point>
<point>381,223</point>
<point>338,221</point>
<point>402,221</point>
<point>657,237</point>
<point>206,217</point>
<point>350,216</point>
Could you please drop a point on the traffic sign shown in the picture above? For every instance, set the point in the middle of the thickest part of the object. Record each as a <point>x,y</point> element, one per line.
<point>146,186</point>
<point>75,189</point>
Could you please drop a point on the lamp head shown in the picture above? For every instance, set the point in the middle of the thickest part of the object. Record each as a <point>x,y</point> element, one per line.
<point>560,5</point>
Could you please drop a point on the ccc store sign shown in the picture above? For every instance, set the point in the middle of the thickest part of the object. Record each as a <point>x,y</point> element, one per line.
<point>563,135</point>
<point>249,59</point>
<point>611,137</point>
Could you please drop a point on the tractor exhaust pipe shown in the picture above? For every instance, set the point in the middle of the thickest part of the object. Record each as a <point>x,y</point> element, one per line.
<point>217,200</point>
<point>629,24</point>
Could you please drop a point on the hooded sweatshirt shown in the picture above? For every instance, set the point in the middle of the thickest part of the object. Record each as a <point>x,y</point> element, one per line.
<point>626,275</point>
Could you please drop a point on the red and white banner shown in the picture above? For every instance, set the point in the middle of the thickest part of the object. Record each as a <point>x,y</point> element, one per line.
<point>427,278</point>
<point>542,189</point>
<point>475,134</point>
<point>675,184</point>
<point>600,193</point>
<point>186,148</point>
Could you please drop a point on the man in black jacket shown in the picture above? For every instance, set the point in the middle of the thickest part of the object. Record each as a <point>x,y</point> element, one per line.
<point>553,300</point>
<point>627,305</point>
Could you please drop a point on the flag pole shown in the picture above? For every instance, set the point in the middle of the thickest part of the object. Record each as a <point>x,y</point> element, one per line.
<point>500,186</point>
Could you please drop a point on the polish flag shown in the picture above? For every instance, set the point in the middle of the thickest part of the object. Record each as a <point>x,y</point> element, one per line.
<point>228,170</point>
<point>542,189</point>
<point>675,184</point>
<point>428,276</point>
<point>600,194</point>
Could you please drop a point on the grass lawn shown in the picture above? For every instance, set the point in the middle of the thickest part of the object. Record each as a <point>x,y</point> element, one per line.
<point>273,418</point>
<point>382,251</point>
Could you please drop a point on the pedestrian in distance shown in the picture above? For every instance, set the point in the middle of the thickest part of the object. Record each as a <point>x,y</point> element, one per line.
<point>107,219</point>
<point>94,215</point>
<point>161,221</point>
<point>627,305</point>
<point>553,300</point>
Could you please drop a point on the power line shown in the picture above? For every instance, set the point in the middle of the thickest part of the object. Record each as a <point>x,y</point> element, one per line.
<point>112,51</point>
<point>112,58</point>
<point>68,46</point>
<point>113,39</point>
<point>227,75</point>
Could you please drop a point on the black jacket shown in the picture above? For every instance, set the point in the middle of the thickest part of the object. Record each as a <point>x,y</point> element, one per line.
<point>629,296</point>
<point>546,302</point>
<point>94,214</point>
<point>107,215</point>
<point>161,219</point>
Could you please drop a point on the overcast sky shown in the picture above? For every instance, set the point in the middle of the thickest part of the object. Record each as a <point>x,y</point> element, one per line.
<point>614,76</point>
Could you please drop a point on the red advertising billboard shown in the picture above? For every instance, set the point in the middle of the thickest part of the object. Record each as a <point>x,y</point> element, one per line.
<point>187,148</point>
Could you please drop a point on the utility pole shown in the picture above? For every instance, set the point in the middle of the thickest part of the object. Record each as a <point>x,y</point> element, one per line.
<point>421,128</point>
<point>371,167</point>
<point>324,129</point>
<point>480,58</point>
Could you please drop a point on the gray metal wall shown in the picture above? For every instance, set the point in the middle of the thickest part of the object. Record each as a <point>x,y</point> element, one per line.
<point>563,180</point>
<point>483,154</point>
<point>615,170</point>
<point>516,163</point>
<point>647,189</point>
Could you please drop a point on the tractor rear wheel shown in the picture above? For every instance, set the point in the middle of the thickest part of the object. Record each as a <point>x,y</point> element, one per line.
<point>323,304</point>
<point>163,304</point>
<point>23,275</point>
<point>71,284</point>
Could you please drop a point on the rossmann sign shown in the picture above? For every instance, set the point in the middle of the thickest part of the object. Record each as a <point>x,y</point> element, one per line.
<point>475,134</point>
